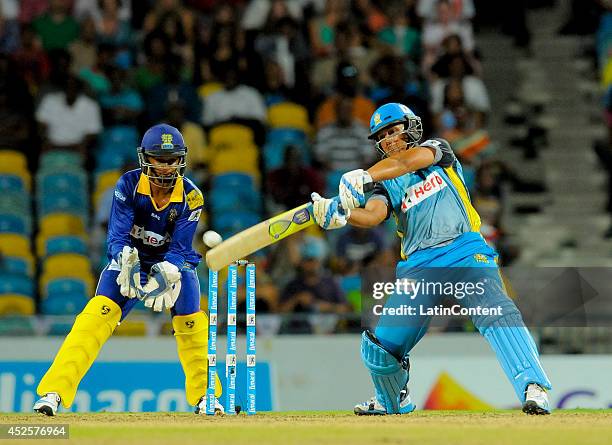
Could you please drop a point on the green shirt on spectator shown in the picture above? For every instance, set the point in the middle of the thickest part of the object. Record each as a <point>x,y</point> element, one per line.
<point>56,34</point>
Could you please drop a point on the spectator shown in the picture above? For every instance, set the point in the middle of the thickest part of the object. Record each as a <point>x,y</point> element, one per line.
<point>121,105</point>
<point>94,9</point>
<point>291,184</point>
<point>84,50</point>
<point>155,18</point>
<point>347,85</point>
<point>237,103</point>
<point>30,9</point>
<point>314,289</point>
<point>460,9</point>
<point>16,108</point>
<point>343,145</point>
<point>474,90</point>
<point>156,53</point>
<point>369,16</point>
<point>56,28</point>
<point>96,77</point>
<point>452,47</point>
<point>258,13</point>
<point>275,89</point>
<point>32,62</point>
<point>112,29</point>
<point>357,247</point>
<point>9,27</point>
<point>68,118</point>
<point>402,33</point>
<point>172,89</point>
<point>322,28</point>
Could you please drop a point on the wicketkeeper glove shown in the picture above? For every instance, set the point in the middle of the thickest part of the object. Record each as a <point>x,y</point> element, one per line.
<point>129,275</point>
<point>163,287</point>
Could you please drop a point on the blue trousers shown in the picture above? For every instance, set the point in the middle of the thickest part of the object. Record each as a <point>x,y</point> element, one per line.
<point>467,259</point>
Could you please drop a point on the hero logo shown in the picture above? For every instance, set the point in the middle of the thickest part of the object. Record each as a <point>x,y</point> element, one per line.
<point>422,190</point>
<point>149,238</point>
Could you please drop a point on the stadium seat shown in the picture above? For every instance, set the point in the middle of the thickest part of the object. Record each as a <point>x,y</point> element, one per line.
<point>121,140</point>
<point>55,160</point>
<point>14,245</point>
<point>274,154</point>
<point>65,203</point>
<point>104,181</point>
<point>61,224</point>
<point>15,304</point>
<point>234,199</point>
<point>109,161</point>
<point>232,181</point>
<point>71,182</point>
<point>67,265</point>
<point>209,88</point>
<point>289,115</point>
<point>230,223</point>
<point>63,304</point>
<point>60,286</point>
<point>17,266</point>
<point>64,244</point>
<point>11,223</point>
<point>11,160</point>
<point>331,182</point>
<point>15,203</point>
<point>11,183</point>
<point>231,134</point>
<point>16,284</point>
<point>242,159</point>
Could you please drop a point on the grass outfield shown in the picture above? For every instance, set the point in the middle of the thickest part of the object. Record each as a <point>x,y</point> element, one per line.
<point>338,428</point>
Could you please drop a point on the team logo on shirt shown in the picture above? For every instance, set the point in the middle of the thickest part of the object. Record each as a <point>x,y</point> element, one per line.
<point>195,199</point>
<point>172,215</point>
<point>420,191</point>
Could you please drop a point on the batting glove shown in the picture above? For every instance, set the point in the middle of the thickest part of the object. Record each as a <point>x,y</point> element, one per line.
<point>351,189</point>
<point>327,212</point>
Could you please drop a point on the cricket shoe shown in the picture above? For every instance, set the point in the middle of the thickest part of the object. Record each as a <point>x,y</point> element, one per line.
<point>536,400</point>
<point>373,407</point>
<point>48,404</point>
<point>201,407</point>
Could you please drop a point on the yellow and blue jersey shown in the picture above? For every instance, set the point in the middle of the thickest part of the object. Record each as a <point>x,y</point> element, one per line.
<point>431,206</point>
<point>159,234</point>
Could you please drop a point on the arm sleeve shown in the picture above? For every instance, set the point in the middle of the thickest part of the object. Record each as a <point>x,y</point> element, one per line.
<point>444,156</point>
<point>380,193</point>
<point>121,219</point>
<point>184,230</point>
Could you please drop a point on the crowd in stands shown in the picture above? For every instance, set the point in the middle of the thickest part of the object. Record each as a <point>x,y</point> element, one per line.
<point>273,98</point>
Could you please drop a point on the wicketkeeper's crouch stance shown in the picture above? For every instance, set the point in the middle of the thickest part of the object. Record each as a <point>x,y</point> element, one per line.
<point>422,185</point>
<point>153,219</point>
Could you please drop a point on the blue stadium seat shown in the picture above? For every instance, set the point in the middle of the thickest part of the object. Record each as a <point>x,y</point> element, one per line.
<point>61,286</point>
<point>11,223</point>
<point>332,181</point>
<point>66,203</point>
<point>65,244</point>
<point>16,266</point>
<point>16,284</point>
<point>277,142</point>
<point>234,200</point>
<point>230,223</point>
<point>15,203</point>
<point>231,181</point>
<point>65,182</point>
<point>63,304</point>
<point>119,139</point>
<point>287,136</point>
<point>12,184</point>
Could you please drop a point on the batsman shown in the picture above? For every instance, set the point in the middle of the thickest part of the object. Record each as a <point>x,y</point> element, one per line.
<point>153,218</point>
<point>422,186</point>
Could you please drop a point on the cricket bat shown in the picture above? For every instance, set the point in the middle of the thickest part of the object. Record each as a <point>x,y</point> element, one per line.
<point>262,235</point>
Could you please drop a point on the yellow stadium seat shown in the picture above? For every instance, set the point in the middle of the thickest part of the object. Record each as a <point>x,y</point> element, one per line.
<point>243,159</point>
<point>11,160</point>
<point>56,224</point>
<point>208,88</point>
<point>67,265</point>
<point>289,115</point>
<point>231,134</point>
<point>14,304</point>
<point>12,244</point>
<point>104,182</point>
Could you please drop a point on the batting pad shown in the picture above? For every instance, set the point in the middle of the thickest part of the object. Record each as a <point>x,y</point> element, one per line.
<point>191,333</point>
<point>516,352</point>
<point>90,331</point>
<point>388,374</point>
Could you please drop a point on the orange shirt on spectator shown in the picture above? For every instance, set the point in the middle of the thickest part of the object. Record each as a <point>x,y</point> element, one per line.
<point>363,108</point>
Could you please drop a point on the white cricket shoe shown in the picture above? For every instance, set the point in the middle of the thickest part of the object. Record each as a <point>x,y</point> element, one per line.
<point>201,407</point>
<point>536,400</point>
<point>48,404</point>
<point>373,407</point>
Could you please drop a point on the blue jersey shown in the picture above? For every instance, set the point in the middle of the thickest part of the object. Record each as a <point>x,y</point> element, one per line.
<point>431,206</point>
<point>159,234</point>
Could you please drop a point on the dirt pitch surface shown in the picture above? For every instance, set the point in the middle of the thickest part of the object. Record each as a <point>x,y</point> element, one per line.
<point>337,428</point>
